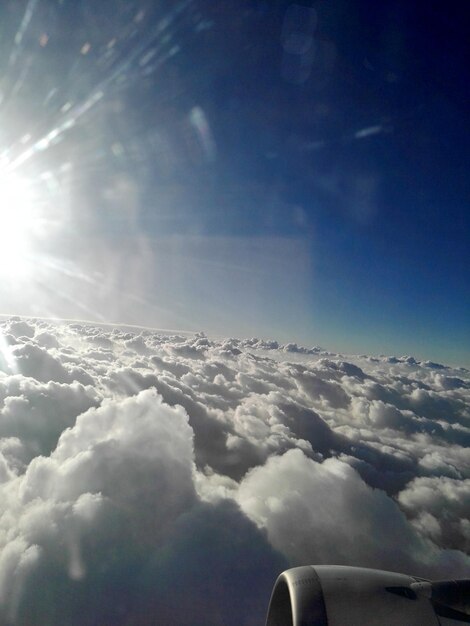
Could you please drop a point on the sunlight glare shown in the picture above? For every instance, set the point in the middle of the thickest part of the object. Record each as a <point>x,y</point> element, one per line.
<point>16,226</point>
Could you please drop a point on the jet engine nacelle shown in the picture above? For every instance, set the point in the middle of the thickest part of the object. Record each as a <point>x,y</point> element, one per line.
<point>324,595</point>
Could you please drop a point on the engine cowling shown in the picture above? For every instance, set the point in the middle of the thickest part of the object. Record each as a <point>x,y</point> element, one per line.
<point>325,595</point>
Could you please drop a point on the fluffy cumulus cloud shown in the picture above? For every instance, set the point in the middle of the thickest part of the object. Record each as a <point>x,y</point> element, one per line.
<point>155,478</point>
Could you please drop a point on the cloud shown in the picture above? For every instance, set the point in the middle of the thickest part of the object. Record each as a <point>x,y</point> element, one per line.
<point>324,513</point>
<point>147,476</point>
<point>36,362</point>
<point>36,413</point>
<point>440,509</point>
<point>20,328</point>
<point>112,519</point>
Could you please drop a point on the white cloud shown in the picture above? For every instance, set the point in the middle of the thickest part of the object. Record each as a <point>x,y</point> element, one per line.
<point>132,462</point>
<point>440,508</point>
<point>116,494</point>
<point>324,513</point>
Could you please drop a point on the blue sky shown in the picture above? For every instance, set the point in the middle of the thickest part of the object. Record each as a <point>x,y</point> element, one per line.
<point>245,168</point>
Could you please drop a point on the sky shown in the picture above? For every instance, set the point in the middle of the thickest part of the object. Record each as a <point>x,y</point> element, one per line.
<point>150,477</point>
<point>272,169</point>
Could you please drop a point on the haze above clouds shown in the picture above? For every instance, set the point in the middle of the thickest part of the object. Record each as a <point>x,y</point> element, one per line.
<point>148,477</point>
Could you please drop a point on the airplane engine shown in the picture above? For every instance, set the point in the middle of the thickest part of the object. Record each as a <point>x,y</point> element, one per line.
<point>324,595</point>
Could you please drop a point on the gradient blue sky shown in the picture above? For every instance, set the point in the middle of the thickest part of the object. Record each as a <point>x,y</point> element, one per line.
<point>245,168</point>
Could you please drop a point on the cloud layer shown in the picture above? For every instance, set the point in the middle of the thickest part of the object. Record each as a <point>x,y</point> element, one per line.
<point>154,478</point>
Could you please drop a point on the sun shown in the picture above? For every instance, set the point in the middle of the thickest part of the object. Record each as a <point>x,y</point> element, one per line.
<point>17,220</point>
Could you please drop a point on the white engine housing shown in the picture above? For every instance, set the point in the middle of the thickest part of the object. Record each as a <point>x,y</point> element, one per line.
<point>325,595</point>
